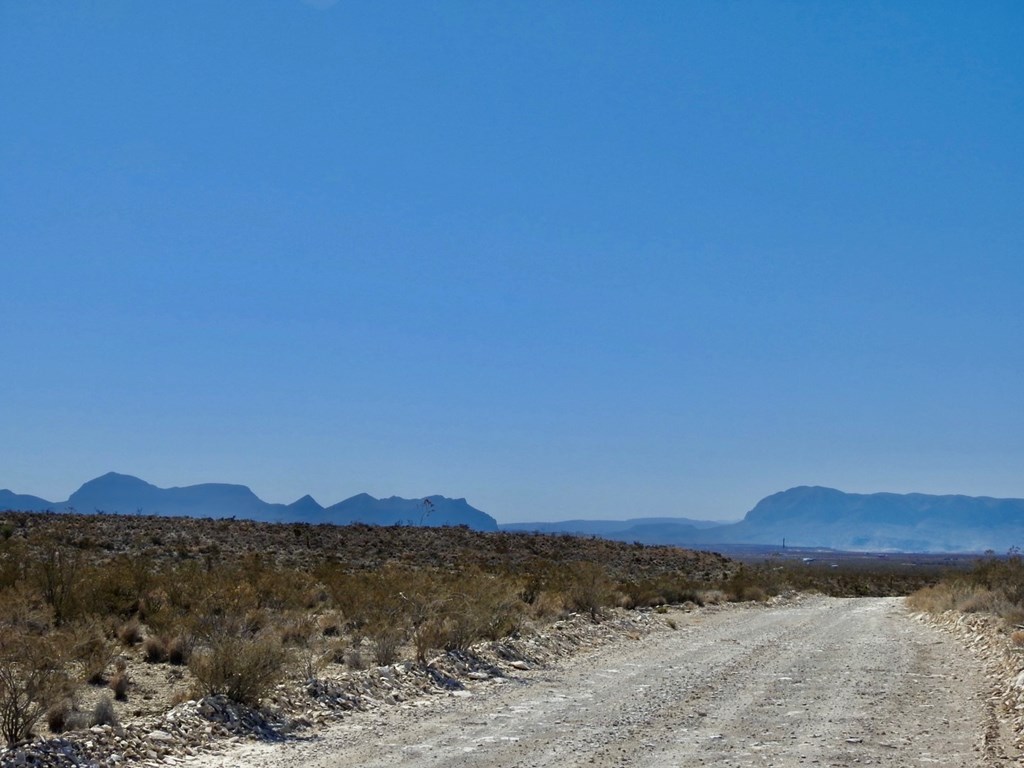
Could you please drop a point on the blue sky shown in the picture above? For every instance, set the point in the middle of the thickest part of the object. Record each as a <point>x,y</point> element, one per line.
<point>572,259</point>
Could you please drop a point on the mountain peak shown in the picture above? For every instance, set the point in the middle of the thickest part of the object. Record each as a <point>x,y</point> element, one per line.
<point>110,478</point>
<point>305,504</point>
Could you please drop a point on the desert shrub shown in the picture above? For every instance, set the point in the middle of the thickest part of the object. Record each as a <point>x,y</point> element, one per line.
<point>385,640</point>
<point>640,596</point>
<point>77,720</point>
<point>179,649</point>
<point>22,609</point>
<point>428,634</point>
<point>329,624</point>
<point>982,601</point>
<point>94,653</point>
<point>299,631</point>
<point>117,587</point>
<point>130,633</point>
<point>13,562</point>
<point>480,606</point>
<point>750,585</point>
<point>753,593</point>
<point>648,593</point>
<point>314,659</point>
<point>119,685</point>
<point>280,589</point>
<point>1002,574</point>
<point>353,659</point>
<point>242,668</point>
<point>32,680</point>
<point>154,650</point>
<point>712,597</point>
<point>995,585</point>
<point>536,579</point>
<point>66,716</point>
<point>589,590</point>
<point>57,575</point>
<point>103,713</point>
<point>547,605</point>
<point>936,599</point>
<point>57,715</point>
<point>315,655</point>
<point>1013,614</point>
<point>422,610</point>
<point>161,615</point>
<point>682,592</point>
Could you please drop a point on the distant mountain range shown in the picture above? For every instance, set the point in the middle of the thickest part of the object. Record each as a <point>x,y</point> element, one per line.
<point>824,517</point>
<point>124,494</point>
<point>801,517</point>
<point>909,522</point>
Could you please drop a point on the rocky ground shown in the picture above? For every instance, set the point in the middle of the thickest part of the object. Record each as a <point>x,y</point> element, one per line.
<point>808,680</point>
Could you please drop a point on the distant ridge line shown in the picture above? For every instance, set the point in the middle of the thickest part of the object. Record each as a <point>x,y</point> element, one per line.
<point>125,494</point>
<point>803,516</point>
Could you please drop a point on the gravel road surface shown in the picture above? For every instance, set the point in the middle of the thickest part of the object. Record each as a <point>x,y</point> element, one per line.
<point>820,681</point>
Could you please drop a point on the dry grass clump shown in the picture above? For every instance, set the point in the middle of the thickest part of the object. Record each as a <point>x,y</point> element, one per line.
<point>936,599</point>
<point>994,586</point>
<point>981,600</point>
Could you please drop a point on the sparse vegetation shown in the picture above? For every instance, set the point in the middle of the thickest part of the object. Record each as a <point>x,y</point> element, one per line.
<point>995,585</point>
<point>92,606</point>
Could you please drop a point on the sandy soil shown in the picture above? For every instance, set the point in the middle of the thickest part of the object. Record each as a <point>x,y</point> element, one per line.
<point>818,682</point>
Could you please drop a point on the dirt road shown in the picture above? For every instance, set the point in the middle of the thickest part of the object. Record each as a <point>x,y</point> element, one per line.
<point>820,682</point>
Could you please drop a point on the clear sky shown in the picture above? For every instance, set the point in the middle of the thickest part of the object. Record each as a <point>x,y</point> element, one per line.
<point>564,259</point>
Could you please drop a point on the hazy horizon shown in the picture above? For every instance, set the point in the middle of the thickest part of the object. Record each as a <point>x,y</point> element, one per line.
<point>563,260</point>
